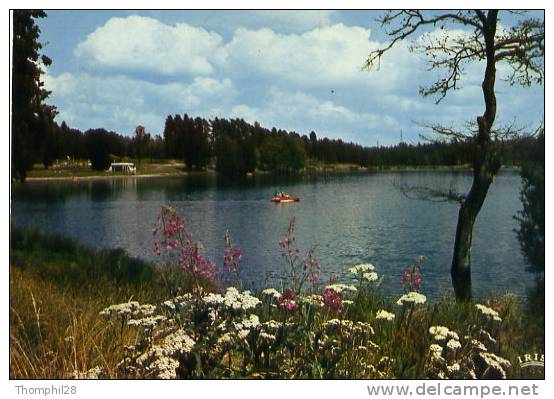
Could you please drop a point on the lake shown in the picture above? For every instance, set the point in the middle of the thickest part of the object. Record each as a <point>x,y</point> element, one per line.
<point>351,218</point>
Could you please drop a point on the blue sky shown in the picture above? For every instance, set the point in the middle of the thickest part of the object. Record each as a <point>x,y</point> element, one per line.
<point>296,70</point>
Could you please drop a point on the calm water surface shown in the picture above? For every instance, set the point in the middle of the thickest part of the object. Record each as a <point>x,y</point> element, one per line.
<point>351,218</point>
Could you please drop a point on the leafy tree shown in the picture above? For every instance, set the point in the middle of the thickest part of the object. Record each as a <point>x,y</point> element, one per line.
<point>102,146</point>
<point>140,142</point>
<point>51,137</point>
<point>273,154</point>
<point>156,148</point>
<point>521,46</point>
<point>169,137</point>
<point>201,143</point>
<point>228,156</point>
<point>71,142</point>
<point>313,144</point>
<point>31,118</point>
<point>296,152</point>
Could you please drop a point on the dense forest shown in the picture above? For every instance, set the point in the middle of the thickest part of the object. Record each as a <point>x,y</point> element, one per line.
<point>234,146</point>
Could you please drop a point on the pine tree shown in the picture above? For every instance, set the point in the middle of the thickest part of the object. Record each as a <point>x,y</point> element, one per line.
<point>31,118</point>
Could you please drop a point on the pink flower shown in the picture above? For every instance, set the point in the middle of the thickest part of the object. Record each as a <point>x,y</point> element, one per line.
<point>286,301</point>
<point>178,245</point>
<point>332,300</point>
<point>411,277</point>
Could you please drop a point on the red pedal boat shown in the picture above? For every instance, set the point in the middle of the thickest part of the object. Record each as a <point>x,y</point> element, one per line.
<point>284,197</point>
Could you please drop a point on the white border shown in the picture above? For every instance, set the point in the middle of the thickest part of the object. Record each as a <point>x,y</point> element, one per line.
<point>225,389</point>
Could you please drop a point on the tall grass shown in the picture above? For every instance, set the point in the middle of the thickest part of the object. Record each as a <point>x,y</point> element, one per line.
<point>57,288</point>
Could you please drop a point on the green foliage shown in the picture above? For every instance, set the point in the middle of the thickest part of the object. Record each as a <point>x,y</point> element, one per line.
<point>32,119</point>
<point>65,260</point>
<point>188,139</point>
<point>239,147</point>
<point>531,218</point>
<point>531,232</point>
<point>101,145</point>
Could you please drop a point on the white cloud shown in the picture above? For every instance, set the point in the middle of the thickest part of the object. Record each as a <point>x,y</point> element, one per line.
<point>119,102</point>
<point>326,55</point>
<point>297,20</point>
<point>302,112</point>
<point>323,56</point>
<point>145,44</point>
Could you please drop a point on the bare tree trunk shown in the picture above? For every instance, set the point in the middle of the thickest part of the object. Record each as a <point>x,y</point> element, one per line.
<point>485,167</point>
<point>461,261</point>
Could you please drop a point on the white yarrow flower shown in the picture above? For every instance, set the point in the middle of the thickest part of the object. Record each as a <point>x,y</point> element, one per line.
<point>382,314</point>
<point>363,268</point>
<point>441,333</point>
<point>435,351</point>
<point>412,297</point>
<point>342,287</point>
<point>271,326</point>
<point>488,312</point>
<point>147,322</point>
<point>232,299</point>
<point>312,299</point>
<point>127,309</point>
<point>371,276</point>
<point>272,292</point>
<point>453,344</point>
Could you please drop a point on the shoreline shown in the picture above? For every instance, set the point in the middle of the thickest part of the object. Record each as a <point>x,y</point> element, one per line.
<point>108,177</point>
<point>327,169</point>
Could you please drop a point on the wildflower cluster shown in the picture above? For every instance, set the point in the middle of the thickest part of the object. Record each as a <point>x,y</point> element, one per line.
<point>232,300</point>
<point>364,272</point>
<point>174,335</point>
<point>468,358</point>
<point>300,269</point>
<point>332,301</point>
<point>293,332</point>
<point>233,333</point>
<point>128,310</point>
<point>411,277</point>
<point>286,301</point>
<point>362,268</point>
<point>487,312</point>
<point>340,288</point>
<point>174,242</point>
<point>231,258</point>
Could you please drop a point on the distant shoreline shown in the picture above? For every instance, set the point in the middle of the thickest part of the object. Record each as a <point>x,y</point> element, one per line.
<point>108,177</point>
<point>340,169</point>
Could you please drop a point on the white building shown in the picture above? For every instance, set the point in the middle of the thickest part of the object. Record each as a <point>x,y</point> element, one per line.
<point>124,167</point>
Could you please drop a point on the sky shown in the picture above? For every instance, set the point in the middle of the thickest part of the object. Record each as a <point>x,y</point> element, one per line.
<point>295,70</point>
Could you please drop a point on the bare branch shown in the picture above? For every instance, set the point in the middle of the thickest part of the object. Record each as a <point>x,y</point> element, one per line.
<point>444,132</point>
<point>430,194</point>
<point>410,22</point>
<point>522,46</point>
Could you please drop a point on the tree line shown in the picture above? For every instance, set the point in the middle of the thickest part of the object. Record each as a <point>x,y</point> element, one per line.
<point>234,146</point>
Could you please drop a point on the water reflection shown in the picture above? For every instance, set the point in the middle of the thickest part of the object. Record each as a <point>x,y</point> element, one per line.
<point>352,218</point>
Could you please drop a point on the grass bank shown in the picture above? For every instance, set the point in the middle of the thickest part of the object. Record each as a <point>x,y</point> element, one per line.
<point>58,288</point>
<point>81,170</point>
